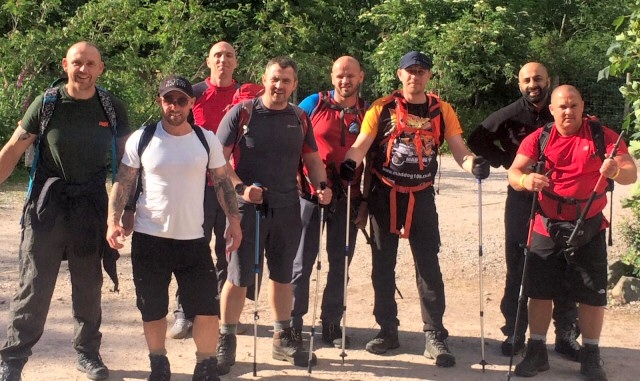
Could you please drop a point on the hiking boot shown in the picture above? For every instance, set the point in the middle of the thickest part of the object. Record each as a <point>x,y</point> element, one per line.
<point>591,363</point>
<point>386,339</point>
<point>206,370</point>
<point>567,345</point>
<point>296,336</point>
<point>285,348</point>
<point>160,369</point>
<point>226,353</point>
<point>181,328</point>
<point>535,359</point>
<point>507,345</point>
<point>436,348</point>
<point>332,335</point>
<point>92,365</point>
<point>12,369</point>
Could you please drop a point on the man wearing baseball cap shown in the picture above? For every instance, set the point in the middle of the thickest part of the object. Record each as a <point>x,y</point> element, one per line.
<point>168,237</point>
<point>405,130</point>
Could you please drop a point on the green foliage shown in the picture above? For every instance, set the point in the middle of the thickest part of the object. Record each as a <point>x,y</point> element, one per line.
<point>631,236</point>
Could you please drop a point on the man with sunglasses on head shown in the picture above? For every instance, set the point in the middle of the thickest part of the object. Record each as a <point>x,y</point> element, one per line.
<point>168,235</point>
<point>336,117</point>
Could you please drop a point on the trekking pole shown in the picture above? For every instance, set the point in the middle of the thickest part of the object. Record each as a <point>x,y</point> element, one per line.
<point>323,186</point>
<point>585,210</point>
<point>370,243</point>
<point>527,253</point>
<point>343,354</point>
<point>480,267</point>
<point>256,270</point>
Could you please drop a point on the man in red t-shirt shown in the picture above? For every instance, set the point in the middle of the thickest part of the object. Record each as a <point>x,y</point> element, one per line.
<point>571,173</point>
<point>216,94</point>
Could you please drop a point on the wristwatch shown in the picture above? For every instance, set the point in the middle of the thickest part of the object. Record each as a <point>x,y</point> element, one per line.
<point>240,189</point>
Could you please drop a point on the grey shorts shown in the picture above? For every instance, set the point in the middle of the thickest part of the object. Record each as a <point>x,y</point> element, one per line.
<point>278,239</point>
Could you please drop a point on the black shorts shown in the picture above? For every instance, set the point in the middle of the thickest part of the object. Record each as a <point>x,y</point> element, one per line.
<point>280,230</point>
<point>583,275</point>
<point>154,259</point>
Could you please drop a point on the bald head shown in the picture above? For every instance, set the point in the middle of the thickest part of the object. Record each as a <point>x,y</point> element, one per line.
<point>223,62</point>
<point>567,107</point>
<point>533,80</point>
<point>346,77</point>
<point>83,65</point>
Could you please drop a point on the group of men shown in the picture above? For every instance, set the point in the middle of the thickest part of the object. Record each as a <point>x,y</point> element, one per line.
<point>265,203</point>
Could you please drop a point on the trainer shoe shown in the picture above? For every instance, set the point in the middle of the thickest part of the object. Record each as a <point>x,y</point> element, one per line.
<point>535,359</point>
<point>436,348</point>
<point>181,328</point>
<point>206,370</point>
<point>92,365</point>
<point>507,345</point>
<point>226,353</point>
<point>286,349</point>
<point>386,339</point>
<point>12,369</point>
<point>567,345</point>
<point>332,335</point>
<point>591,363</point>
<point>160,369</point>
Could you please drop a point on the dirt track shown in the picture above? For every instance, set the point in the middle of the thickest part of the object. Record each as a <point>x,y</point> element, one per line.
<point>124,349</point>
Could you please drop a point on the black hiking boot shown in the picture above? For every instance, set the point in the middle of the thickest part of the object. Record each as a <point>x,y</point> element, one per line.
<point>206,370</point>
<point>296,336</point>
<point>92,365</point>
<point>226,353</point>
<point>567,345</point>
<point>591,363</point>
<point>386,339</point>
<point>436,348</point>
<point>507,345</point>
<point>160,369</point>
<point>285,348</point>
<point>332,335</point>
<point>12,369</point>
<point>535,359</point>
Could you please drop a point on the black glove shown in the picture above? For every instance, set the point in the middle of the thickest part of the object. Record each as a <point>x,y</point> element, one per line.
<point>481,168</point>
<point>348,170</point>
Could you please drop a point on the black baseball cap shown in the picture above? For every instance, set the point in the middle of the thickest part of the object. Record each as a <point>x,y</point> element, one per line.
<point>415,58</point>
<point>176,83</point>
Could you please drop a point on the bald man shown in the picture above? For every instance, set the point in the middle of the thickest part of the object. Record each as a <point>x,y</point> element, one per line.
<point>70,176</point>
<point>336,116</point>
<point>572,172</point>
<point>213,95</point>
<point>508,126</point>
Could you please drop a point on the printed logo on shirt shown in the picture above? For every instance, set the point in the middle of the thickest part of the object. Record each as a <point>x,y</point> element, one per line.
<point>103,123</point>
<point>292,126</point>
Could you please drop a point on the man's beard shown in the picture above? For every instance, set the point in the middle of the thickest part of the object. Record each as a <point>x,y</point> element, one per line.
<point>543,93</point>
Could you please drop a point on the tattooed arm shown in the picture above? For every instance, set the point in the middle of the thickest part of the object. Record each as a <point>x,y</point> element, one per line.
<point>121,191</point>
<point>13,150</point>
<point>227,198</point>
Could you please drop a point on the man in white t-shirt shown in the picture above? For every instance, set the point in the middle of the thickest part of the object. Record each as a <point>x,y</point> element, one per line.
<point>168,237</point>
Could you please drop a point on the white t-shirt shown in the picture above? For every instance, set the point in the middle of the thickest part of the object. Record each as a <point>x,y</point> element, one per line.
<point>173,181</point>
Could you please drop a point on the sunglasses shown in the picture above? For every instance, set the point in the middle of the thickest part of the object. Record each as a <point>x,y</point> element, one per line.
<point>180,101</point>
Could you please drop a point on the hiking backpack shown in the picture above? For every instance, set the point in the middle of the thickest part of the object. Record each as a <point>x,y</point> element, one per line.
<point>597,135</point>
<point>324,100</point>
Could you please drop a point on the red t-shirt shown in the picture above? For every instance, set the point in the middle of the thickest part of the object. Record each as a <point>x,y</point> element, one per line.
<point>208,109</point>
<point>575,169</point>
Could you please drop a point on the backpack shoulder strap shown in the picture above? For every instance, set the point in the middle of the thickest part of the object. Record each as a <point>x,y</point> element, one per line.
<point>246,109</point>
<point>544,140</point>
<point>49,100</point>
<point>199,89</point>
<point>597,134</point>
<point>147,133</point>
<point>198,130</point>
<point>302,118</point>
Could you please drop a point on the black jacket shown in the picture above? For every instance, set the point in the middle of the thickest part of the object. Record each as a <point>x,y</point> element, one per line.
<point>498,137</point>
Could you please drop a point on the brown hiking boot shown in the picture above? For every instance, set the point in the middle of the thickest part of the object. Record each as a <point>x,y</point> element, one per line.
<point>535,359</point>
<point>286,348</point>
<point>386,339</point>
<point>591,363</point>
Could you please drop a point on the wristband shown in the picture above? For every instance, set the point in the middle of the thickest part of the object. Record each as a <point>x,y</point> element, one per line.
<point>524,176</point>
<point>616,175</point>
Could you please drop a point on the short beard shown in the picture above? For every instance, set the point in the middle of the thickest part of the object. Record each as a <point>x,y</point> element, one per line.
<point>544,93</point>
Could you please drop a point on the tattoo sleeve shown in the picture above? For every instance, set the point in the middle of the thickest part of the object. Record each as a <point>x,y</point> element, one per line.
<point>225,192</point>
<point>122,190</point>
